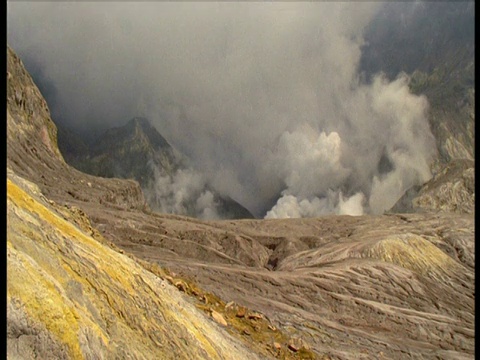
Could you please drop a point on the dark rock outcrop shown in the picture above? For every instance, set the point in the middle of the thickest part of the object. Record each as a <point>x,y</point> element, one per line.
<point>125,152</point>
<point>137,151</point>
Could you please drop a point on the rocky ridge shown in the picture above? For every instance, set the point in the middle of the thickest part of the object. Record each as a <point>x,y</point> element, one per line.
<point>138,151</point>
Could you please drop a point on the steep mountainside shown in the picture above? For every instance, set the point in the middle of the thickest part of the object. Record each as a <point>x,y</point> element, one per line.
<point>32,150</point>
<point>441,63</point>
<point>442,67</point>
<point>450,190</point>
<point>123,152</point>
<point>87,271</point>
<point>138,151</point>
<point>71,296</point>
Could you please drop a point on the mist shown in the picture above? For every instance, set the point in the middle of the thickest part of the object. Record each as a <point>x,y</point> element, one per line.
<point>266,99</point>
<point>185,192</point>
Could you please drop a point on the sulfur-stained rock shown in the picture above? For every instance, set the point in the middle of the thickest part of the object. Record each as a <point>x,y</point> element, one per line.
<point>255,316</point>
<point>219,318</point>
<point>241,312</point>
<point>71,297</point>
<point>295,344</point>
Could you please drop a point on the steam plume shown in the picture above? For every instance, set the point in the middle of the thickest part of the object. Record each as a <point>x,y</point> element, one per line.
<point>265,98</point>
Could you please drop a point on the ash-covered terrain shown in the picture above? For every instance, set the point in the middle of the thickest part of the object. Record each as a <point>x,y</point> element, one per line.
<point>391,286</point>
<point>94,271</point>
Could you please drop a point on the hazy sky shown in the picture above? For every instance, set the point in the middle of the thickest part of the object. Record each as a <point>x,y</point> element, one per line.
<point>265,98</point>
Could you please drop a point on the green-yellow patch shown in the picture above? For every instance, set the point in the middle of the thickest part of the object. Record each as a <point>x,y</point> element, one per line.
<point>412,252</point>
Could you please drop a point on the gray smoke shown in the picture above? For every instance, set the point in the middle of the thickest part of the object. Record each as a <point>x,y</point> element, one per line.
<point>184,192</point>
<point>265,98</point>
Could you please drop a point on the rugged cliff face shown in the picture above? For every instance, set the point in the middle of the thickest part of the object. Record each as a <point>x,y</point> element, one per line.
<point>124,152</point>
<point>452,189</point>
<point>442,67</point>
<point>441,64</point>
<point>138,151</point>
<point>90,270</point>
<point>32,150</point>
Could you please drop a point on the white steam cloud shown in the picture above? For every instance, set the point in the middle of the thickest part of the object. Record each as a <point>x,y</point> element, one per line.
<point>388,123</point>
<point>265,98</point>
<point>184,192</point>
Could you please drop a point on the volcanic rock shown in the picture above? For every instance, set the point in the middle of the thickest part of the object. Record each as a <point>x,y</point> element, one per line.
<point>138,151</point>
<point>219,318</point>
<point>400,285</point>
<point>452,189</point>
